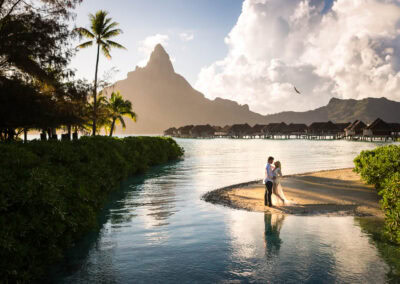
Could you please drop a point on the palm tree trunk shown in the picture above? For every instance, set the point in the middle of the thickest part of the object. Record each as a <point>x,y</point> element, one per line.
<point>112,127</point>
<point>25,135</point>
<point>95,91</point>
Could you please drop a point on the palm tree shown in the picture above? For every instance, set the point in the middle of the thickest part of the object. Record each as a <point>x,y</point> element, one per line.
<point>101,30</point>
<point>118,107</point>
<point>103,115</point>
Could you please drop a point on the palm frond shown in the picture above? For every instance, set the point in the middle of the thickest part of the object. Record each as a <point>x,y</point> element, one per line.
<point>97,21</point>
<point>115,44</point>
<point>133,116</point>
<point>85,45</point>
<point>106,51</point>
<point>112,33</point>
<point>83,32</point>
<point>122,121</point>
<point>110,26</point>
<point>105,23</point>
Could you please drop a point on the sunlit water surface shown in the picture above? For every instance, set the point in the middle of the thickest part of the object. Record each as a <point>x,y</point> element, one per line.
<point>157,229</point>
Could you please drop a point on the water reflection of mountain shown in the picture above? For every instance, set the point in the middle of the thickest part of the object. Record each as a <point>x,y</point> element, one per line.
<point>161,200</point>
<point>152,198</point>
<point>272,240</point>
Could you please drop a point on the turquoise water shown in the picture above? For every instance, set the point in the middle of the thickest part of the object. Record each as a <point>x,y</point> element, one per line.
<point>158,230</point>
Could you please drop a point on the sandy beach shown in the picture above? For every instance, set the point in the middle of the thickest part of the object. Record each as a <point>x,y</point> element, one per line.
<point>333,192</point>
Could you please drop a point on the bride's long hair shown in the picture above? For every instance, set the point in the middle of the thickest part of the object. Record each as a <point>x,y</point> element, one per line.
<point>278,165</point>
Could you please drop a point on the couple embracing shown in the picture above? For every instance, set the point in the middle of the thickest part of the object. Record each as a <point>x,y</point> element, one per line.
<point>273,176</point>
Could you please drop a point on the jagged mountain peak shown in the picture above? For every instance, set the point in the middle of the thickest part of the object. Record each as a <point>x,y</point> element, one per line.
<point>160,61</point>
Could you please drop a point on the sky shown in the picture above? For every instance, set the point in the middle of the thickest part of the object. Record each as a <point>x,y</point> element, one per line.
<point>256,51</point>
<point>192,32</point>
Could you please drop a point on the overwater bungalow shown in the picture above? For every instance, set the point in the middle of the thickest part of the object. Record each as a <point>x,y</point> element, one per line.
<point>171,131</point>
<point>296,129</point>
<point>395,129</point>
<point>355,129</point>
<point>320,128</point>
<point>358,130</point>
<point>240,130</point>
<point>342,127</point>
<point>258,130</point>
<point>221,131</point>
<point>274,128</point>
<point>184,131</point>
<point>202,131</point>
<point>378,128</point>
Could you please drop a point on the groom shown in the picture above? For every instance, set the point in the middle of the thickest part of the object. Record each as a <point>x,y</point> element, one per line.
<point>268,182</point>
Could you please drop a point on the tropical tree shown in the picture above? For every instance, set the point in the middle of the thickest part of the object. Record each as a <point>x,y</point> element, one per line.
<point>103,119</point>
<point>34,56</point>
<point>102,29</point>
<point>118,108</point>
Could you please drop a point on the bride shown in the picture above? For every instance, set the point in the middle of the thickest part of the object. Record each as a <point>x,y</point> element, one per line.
<point>277,187</point>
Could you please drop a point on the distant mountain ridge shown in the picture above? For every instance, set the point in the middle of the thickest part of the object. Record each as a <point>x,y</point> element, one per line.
<point>340,110</point>
<point>162,99</point>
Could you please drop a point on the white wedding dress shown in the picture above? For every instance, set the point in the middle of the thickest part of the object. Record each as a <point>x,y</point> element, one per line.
<point>278,197</point>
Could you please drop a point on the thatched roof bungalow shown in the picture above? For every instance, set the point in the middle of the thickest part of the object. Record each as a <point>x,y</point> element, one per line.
<point>240,130</point>
<point>296,128</point>
<point>184,131</point>
<point>202,131</point>
<point>356,128</point>
<point>275,128</point>
<point>258,129</point>
<point>171,131</point>
<point>378,128</point>
<point>395,129</point>
<point>342,126</point>
<point>221,131</point>
<point>323,128</point>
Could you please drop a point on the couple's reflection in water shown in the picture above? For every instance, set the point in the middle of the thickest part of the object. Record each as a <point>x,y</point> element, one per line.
<point>272,240</point>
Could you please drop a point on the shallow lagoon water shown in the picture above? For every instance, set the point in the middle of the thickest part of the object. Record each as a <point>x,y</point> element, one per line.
<point>156,229</point>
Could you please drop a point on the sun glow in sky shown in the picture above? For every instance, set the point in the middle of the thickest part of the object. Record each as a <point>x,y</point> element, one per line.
<point>256,51</point>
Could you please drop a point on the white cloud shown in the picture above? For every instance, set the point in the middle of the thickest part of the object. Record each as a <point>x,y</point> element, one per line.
<point>147,45</point>
<point>351,51</point>
<point>186,36</point>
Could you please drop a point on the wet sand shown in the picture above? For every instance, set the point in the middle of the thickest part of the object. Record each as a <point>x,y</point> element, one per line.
<point>334,192</point>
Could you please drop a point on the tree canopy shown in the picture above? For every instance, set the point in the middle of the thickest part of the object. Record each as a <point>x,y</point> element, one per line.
<point>36,87</point>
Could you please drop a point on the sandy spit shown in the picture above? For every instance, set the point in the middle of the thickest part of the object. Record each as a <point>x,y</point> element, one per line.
<point>334,192</point>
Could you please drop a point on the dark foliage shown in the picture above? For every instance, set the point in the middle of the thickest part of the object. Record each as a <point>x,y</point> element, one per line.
<point>51,193</point>
<point>35,86</point>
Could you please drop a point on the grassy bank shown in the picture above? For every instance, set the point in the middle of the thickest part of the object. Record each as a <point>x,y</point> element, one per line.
<point>381,167</point>
<point>51,193</point>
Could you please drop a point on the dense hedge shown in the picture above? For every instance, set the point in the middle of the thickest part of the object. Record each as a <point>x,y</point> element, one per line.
<point>381,167</point>
<point>51,192</point>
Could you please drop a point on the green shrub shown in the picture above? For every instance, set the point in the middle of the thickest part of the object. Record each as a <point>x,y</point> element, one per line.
<point>391,205</point>
<point>51,193</point>
<point>375,166</point>
<point>381,167</point>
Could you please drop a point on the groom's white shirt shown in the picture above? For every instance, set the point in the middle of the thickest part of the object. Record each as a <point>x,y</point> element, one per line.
<point>269,174</point>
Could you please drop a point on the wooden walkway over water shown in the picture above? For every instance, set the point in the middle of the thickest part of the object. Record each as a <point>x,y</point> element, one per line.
<point>322,137</point>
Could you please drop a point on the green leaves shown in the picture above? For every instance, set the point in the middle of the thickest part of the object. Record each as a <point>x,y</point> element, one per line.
<point>118,108</point>
<point>101,30</point>
<point>391,205</point>
<point>51,193</point>
<point>381,167</point>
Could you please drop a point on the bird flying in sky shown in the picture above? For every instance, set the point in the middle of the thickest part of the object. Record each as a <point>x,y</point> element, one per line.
<point>297,91</point>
